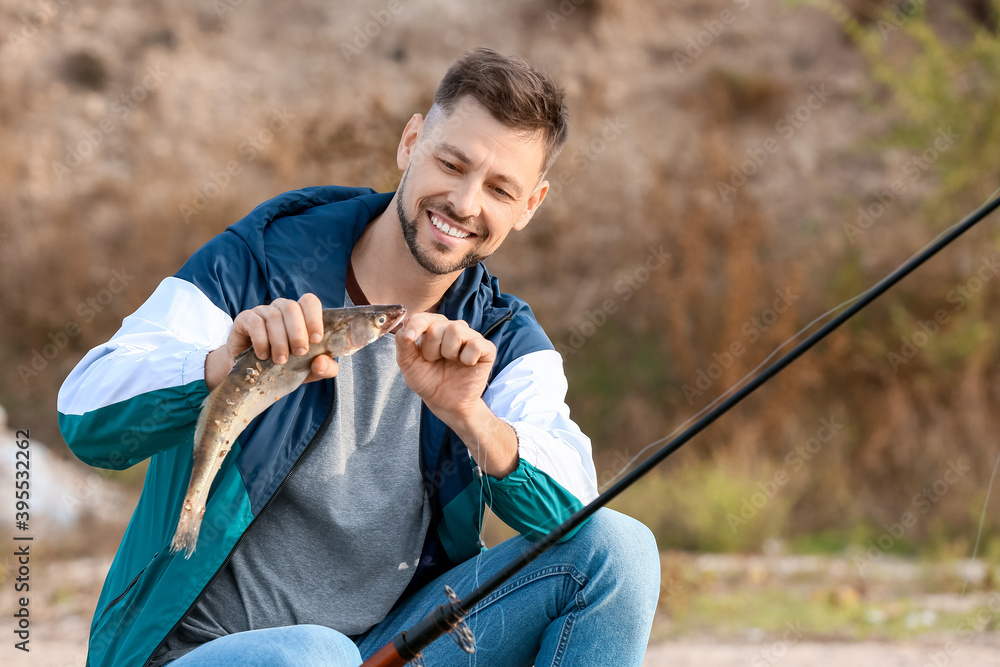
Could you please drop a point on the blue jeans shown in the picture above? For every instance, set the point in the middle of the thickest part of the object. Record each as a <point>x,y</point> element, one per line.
<point>586,602</point>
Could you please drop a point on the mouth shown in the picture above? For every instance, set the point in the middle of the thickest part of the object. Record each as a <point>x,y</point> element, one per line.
<point>395,318</point>
<point>447,229</point>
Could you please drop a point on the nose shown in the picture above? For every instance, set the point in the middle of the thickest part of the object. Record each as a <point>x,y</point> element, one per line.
<point>466,197</point>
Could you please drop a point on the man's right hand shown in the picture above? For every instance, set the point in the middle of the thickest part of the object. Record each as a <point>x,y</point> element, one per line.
<point>281,328</point>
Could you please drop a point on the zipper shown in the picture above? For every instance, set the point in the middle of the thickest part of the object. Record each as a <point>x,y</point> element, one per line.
<point>496,325</point>
<point>322,428</point>
<point>127,588</point>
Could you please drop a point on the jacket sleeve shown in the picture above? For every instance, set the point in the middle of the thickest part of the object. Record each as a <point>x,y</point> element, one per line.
<point>555,476</point>
<point>141,392</point>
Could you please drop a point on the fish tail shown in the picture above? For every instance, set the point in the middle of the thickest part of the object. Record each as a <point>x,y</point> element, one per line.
<point>188,527</point>
<point>193,508</point>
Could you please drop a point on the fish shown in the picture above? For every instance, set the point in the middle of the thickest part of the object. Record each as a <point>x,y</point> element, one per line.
<point>252,386</point>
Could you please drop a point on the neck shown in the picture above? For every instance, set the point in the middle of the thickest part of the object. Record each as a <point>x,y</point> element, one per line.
<point>386,271</point>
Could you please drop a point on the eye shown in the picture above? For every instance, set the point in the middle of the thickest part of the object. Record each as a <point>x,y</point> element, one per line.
<point>503,193</point>
<point>381,320</point>
<point>447,165</point>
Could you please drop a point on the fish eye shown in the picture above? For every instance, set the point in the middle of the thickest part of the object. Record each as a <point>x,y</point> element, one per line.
<point>380,320</point>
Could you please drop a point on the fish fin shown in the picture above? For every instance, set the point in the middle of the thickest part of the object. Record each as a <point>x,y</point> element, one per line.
<point>186,535</point>
<point>199,429</point>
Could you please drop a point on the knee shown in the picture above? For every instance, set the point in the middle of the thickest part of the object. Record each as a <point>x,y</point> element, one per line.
<point>283,646</point>
<point>626,548</point>
<point>622,538</point>
<point>300,643</point>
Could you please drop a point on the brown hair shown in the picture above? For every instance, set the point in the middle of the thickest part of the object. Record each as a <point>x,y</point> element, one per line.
<point>516,94</point>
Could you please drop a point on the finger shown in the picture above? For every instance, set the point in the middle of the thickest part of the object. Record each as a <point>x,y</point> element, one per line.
<point>323,367</point>
<point>312,310</point>
<point>454,337</point>
<point>295,326</point>
<point>249,326</point>
<point>239,338</point>
<point>431,339</point>
<point>415,325</point>
<point>407,351</point>
<point>478,350</point>
<point>277,338</point>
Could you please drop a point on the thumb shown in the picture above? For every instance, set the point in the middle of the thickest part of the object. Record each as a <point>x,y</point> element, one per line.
<point>323,367</point>
<point>407,351</point>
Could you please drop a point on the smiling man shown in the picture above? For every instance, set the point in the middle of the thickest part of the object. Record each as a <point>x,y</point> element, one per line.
<point>343,511</point>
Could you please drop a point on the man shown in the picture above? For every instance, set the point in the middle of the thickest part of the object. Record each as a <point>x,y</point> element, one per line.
<point>343,511</point>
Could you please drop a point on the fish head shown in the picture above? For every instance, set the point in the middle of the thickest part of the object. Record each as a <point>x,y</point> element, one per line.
<point>350,329</point>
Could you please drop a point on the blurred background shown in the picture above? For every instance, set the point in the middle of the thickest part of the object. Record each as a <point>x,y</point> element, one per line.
<point>735,169</point>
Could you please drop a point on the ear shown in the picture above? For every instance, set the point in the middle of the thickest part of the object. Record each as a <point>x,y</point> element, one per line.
<point>534,201</point>
<point>408,142</point>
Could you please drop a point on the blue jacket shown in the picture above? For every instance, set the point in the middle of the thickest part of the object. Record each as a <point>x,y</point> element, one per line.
<point>138,396</point>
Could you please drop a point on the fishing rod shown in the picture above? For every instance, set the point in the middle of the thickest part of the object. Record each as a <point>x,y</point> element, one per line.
<point>448,618</point>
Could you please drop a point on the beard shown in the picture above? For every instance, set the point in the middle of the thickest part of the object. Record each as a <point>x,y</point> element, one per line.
<point>425,259</point>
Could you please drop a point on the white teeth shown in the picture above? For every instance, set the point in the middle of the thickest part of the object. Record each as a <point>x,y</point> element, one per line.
<point>446,228</point>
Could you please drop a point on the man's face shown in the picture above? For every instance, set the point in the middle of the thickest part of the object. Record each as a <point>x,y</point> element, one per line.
<point>467,181</point>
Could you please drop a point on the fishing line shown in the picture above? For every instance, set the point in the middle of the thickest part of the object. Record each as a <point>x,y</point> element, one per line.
<point>796,336</point>
<point>444,619</point>
<point>982,520</point>
<point>739,383</point>
<point>484,482</point>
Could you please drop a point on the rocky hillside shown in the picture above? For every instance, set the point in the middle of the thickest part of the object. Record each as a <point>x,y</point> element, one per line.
<point>732,173</point>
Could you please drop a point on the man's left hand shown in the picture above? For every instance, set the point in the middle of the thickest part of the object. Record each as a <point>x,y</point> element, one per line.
<point>446,363</point>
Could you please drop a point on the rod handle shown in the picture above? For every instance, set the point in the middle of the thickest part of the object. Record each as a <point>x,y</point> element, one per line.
<point>387,656</point>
